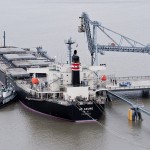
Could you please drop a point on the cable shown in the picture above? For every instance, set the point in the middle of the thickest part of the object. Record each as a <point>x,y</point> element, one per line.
<point>112,131</point>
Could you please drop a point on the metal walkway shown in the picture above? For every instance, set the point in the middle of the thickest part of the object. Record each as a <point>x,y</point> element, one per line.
<point>128,83</point>
<point>128,102</point>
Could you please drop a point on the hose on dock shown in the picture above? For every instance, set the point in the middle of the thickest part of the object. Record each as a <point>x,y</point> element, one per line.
<point>134,112</point>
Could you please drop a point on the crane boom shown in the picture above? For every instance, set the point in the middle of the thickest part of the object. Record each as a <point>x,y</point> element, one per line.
<point>102,48</point>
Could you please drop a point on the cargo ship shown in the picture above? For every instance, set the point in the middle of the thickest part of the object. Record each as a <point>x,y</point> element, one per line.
<point>64,90</point>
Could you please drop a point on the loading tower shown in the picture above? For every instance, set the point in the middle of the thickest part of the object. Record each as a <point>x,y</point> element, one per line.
<point>91,27</point>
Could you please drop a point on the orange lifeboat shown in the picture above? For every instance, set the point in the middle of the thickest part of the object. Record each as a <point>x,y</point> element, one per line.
<point>103,78</point>
<point>35,81</point>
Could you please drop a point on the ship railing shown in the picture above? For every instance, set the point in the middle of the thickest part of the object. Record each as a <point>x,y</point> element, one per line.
<point>43,96</point>
<point>34,98</point>
<point>40,90</point>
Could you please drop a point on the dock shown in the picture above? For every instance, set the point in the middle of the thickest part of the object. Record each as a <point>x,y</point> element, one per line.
<point>128,83</point>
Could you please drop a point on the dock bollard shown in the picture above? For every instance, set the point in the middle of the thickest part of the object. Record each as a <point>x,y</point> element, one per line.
<point>130,115</point>
<point>134,114</point>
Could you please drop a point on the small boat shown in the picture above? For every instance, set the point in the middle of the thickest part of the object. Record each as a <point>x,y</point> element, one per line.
<point>7,96</point>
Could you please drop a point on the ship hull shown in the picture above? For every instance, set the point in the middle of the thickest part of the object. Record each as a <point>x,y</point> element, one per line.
<point>14,99</point>
<point>84,112</point>
<point>72,112</point>
<point>10,99</point>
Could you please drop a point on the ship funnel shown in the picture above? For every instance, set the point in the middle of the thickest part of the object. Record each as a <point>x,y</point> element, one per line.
<point>75,69</point>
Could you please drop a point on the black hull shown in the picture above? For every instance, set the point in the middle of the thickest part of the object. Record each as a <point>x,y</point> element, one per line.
<point>72,112</point>
<point>8,103</point>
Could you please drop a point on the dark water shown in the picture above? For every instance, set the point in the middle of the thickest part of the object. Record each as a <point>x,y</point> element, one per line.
<point>30,23</point>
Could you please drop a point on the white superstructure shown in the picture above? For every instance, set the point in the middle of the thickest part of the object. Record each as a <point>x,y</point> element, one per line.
<point>58,79</point>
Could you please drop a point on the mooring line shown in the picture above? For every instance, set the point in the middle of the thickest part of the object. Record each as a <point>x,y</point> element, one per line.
<point>112,132</point>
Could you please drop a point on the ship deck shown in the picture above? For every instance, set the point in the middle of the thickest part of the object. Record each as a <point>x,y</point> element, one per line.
<point>12,64</point>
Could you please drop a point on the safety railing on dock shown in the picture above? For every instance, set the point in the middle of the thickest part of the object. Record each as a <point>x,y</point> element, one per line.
<point>133,78</point>
<point>129,87</point>
<point>113,77</point>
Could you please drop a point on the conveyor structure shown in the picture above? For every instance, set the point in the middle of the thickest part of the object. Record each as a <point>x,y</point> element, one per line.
<point>134,106</point>
<point>90,28</point>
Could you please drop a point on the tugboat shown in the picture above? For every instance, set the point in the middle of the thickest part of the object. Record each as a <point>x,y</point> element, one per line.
<point>69,91</point>
<point>7,96</point>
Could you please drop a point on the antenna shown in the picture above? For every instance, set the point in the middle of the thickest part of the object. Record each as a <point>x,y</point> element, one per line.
<point>69,42</point>
<point>4,39</point>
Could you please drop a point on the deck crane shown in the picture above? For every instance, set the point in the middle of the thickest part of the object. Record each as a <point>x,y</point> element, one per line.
<point>94,48</point>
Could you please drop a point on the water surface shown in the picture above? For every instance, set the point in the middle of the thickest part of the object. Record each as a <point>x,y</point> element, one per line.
<point>47,23</point>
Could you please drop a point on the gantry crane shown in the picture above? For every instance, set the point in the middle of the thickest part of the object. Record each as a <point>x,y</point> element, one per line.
<point>94,48</point>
